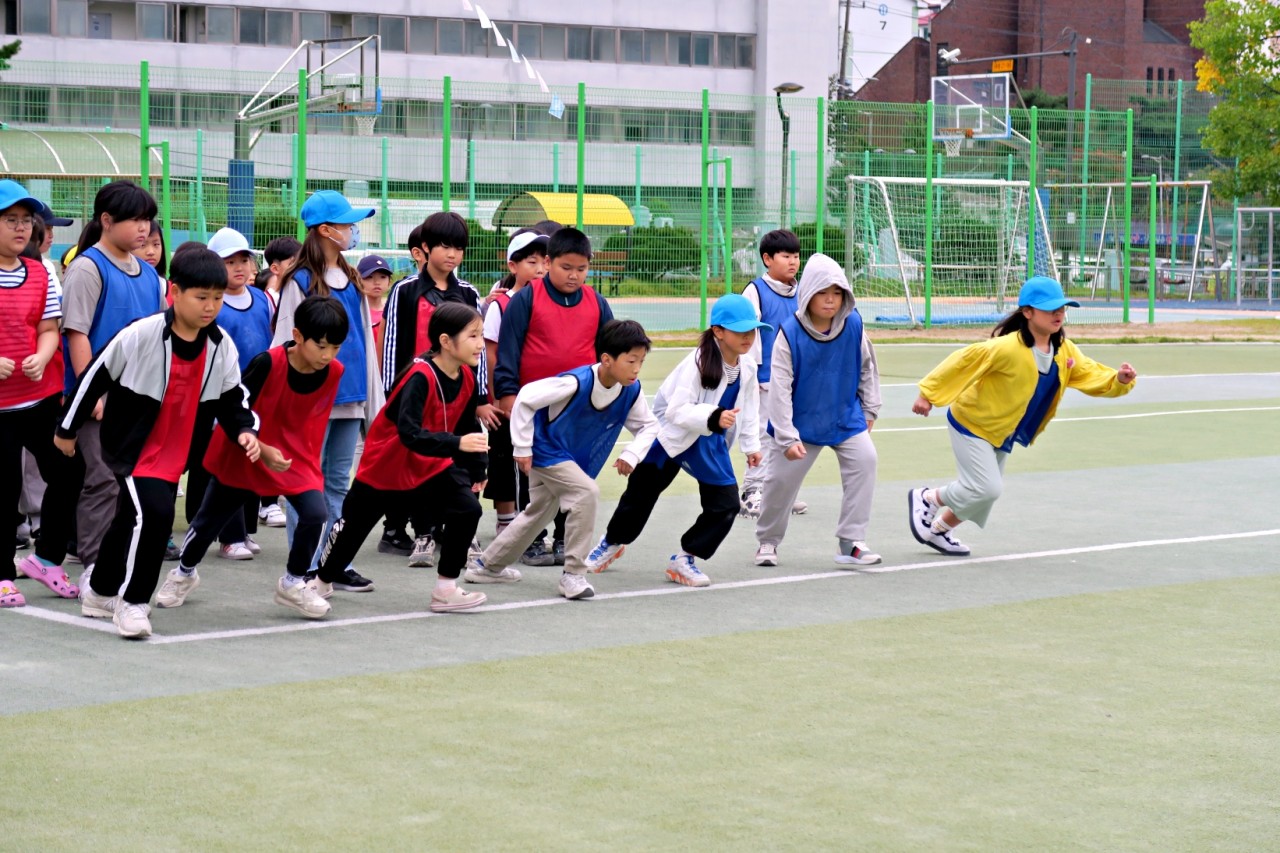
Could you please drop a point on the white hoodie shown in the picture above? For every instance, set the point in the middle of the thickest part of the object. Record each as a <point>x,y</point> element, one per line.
<point>683,407</point>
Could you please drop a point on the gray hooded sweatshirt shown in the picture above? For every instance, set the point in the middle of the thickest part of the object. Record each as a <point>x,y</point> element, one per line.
<point>819,273</point>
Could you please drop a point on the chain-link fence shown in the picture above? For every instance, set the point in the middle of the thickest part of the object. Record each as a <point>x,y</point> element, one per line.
<point>674,188</point>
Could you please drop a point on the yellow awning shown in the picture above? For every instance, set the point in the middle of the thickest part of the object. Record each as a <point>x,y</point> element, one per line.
<point>527,208</point>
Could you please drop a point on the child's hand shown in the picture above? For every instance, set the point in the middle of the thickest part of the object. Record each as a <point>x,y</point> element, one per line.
<point>249,442</point>
<point>728,418</point>
<point>524,463</point>
<point>922,406</point>
<point>753,459</point>
<point>33,366</point>
<point>506,404</point>
<point>796,451</point>
<point>489,415</point>
<point>623,467</point>
<point>97,410</point>
<point>1126,374</point>
<point>6,367</point>
<point>474,442</point>
<point>273,458</point>
<point>479,487</point>
<point>66,445</point>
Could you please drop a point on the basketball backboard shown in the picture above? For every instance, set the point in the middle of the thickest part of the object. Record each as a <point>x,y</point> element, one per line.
<point>973,105</point>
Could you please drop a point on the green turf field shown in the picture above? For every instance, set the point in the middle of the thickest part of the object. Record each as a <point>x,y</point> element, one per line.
<point>1101,674</point>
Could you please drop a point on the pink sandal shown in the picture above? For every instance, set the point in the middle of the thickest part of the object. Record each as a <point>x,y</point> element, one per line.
<point>51,576</point>
<point>9,595</point>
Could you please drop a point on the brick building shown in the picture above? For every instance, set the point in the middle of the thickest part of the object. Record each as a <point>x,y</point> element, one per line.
<point>1128,39</point>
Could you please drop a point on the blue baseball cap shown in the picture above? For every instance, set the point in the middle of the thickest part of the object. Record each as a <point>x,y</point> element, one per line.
<point>332,206</point>
<point>12,192</point>
<point>46,213</point>
<point>736,313</point>
<point>1043,293</point>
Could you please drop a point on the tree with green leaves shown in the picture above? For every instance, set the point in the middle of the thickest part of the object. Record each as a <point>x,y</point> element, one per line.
<point>1241,66</point>
<point>8,51</point>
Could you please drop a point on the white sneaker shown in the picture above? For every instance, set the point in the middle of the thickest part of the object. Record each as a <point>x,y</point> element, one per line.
<point>799,508</point>
<point>767,554</point>
<point>83,582</point>
<point>683,570</point>
<point>920,515</point>
<point>946,543</point>
<point>751,499</point>
<point>424,553</point>
<point>477,572</point>
<point>455,600</point>
<point>254,547</point>
<point>132,620</point>
<point>474,550</point>
<point>574,586</point>
<point>271,516</point>
<point>176,587</point>
<point>854,553</point>
<point>235,551</point>
<point>303,598</point>
<point>321,588</point>
<point>97,606</point>
<point>603,555</point>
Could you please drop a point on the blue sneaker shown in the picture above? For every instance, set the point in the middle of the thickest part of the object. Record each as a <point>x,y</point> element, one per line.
<point>682,570</point>
<point>603,555</point>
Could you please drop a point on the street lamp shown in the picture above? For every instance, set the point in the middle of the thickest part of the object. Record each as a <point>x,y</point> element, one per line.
<point>785,89</point>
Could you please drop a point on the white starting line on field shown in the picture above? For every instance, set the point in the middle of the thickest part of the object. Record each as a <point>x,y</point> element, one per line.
<point>106,626</point>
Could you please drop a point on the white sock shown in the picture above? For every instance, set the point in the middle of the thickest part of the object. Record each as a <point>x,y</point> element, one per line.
<point>291,581</point>
<point>940,526</point>
<point>446,585</point>
<point>931,497</point>
<point>187,571</point>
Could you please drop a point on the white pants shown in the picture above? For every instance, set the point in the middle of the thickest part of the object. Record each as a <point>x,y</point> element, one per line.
<point>857,459</point>
<point>979,478</point>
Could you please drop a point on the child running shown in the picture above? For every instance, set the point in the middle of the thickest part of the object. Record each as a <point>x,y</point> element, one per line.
<point>563,430</point>
<point>425,452</point>
<point>292,388</point>
<point>333,228</point>
<point>165,378</point>
<point>824,392</point>
<point>1002,392</point>
<point>30,398</point>
<point>709,398</point>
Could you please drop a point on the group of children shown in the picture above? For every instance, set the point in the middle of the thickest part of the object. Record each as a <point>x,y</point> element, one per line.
<point>520,397</point>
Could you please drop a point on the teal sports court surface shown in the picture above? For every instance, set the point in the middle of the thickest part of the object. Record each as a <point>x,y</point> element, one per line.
<point>1102,673</point>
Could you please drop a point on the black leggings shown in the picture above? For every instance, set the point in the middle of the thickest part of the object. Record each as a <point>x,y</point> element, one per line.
<point>222,503</point>
<point>720,507</point>
<point>446,499</point>
<point>32,428</point>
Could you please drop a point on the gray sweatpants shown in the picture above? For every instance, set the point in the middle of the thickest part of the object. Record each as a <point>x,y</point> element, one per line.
<point>857,459</point>
<point>755,478</point>
<point>558,486</point>
<point>97,506</point>
<point>979,478</point>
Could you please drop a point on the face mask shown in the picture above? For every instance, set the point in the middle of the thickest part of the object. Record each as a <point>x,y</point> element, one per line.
<point>353,241</point>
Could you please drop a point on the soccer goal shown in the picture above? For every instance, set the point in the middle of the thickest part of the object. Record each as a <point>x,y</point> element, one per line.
<point>979,242</point>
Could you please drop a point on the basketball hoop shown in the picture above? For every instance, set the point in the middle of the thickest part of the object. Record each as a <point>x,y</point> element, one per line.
<point>364,125</point>
<point>953,137</point>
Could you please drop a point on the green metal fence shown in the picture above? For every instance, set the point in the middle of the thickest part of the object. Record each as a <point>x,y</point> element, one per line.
<point>698,177</point>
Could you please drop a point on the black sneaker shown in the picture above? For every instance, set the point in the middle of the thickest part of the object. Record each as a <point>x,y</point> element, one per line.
<point>353,581</point>
<point>538,555</point>
<point>395,542</point>
<point>557,551</point>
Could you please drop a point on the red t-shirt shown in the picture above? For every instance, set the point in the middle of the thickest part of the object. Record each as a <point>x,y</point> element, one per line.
<point>164,455</point>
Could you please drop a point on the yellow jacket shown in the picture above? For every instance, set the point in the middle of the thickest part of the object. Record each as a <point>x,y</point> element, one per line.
<point>988,384</point>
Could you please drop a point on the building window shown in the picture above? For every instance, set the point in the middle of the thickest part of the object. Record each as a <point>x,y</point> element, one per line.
<point>604,45</point>
<point>746,51</point>
<point>36,20</point>
<point>163,109</point>
<point>393,28</point>
<point>553,39</point>
<point>219,25</point>
<point>507,31</point>
<point>253,26</point>
<point>422,37</point>
<point>579,46</point>
<point>364,25</point>
<point>451,38</point>
<point>1151,76</point>
<point>702,44</point>
<point>313,26</point>
<point>476,40</point>
<point>73,18</point>
<point>726,51</point>
<point>679,49</point>
<point>631,45</point>
<point>155,22</point>
<point>279,28</point>
<point>655,47</point>
<point>529,40</point>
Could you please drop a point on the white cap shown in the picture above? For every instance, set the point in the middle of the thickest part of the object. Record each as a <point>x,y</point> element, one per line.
<point>523,239</point>
<point>228,242</point>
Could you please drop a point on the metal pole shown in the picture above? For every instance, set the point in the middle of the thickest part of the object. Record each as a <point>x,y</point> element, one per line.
<point>582,148</point>
<point>1177,176</point>
<point>1152,226</point>
<point>384,238</point>
<point>790,222</point>
<point>300,155</point>
<point>821,153</point>
<point>713,180</point>
<point>1033,196</point>
<point>166,198</point>
<point>446,147</point>
<point>1128,209</point>
<point>728,225</point>
<point>199,218</point>
<point>144,131</point>
<point>555,167</point>
<point>702,220</point>
<point>785,117</point>
<point>471,176</point>
<point>1084,168</point>
<point>928,223</point>
<point>639,179</point>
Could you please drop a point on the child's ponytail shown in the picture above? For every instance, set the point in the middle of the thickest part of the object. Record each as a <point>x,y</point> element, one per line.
<point>709,360</point>
<point>121,200</point>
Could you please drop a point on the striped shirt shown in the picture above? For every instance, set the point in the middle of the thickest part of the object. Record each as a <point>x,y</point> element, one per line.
<point>52,300</point>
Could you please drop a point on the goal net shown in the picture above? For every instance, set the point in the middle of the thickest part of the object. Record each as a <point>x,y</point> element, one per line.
<point>980,233</point>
